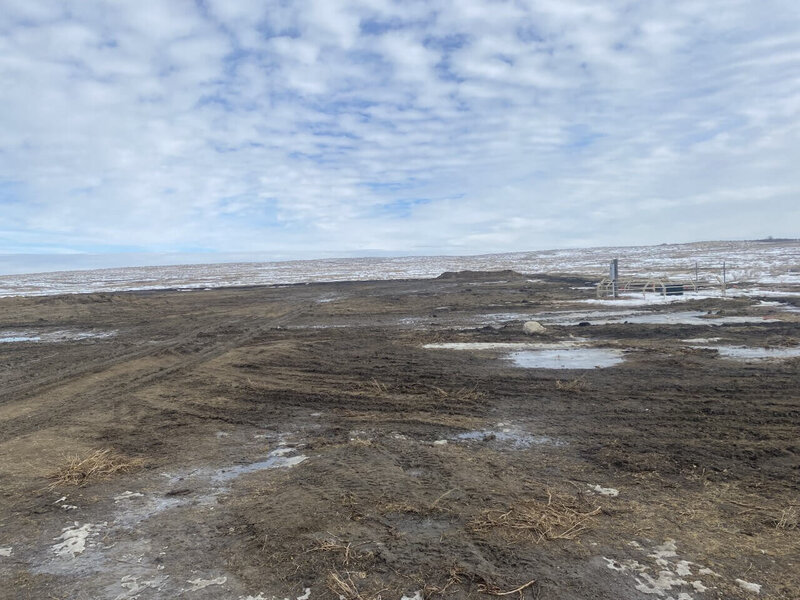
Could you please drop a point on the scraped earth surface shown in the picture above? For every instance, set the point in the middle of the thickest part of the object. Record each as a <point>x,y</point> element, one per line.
<point>327,441</point>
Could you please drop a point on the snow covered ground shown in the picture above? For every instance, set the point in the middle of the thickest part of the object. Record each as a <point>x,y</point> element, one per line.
<point>767,263</point>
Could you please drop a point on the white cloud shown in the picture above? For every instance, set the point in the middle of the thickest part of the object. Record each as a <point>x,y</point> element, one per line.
<point>412,127</point>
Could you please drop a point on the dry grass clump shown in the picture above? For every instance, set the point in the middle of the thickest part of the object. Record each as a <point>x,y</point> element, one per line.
<point>347,550</point>
<point>345,588</point>
<point>99,464</point>
<point>576,385</point>
<point>556,519</point>
<point>464,394</point>
<point>458,576</point>
<point>788,519</point>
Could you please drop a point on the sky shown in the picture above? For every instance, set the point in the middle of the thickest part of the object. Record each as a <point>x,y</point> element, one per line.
<point>320,127</point>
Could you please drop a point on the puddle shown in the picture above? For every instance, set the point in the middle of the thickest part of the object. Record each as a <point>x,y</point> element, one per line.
<point>11,337</point>
<point>198,487</point>
<point>687,317</point>
<point>483,346</point>
<point>276,460</point>
<point>517,440</point>
<point>505,435</point>
<point>529,355</point>
<point>567,358</point>
<point>749,353</point>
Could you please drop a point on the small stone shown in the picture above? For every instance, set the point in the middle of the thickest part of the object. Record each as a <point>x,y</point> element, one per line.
<point>533,328</point>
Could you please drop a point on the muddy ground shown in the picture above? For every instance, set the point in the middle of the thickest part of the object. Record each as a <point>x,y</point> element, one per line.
<point>301,442</point>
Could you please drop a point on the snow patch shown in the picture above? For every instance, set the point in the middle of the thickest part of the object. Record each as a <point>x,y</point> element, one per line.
<point>7,551</point>
<point>133,587</point>
<point>666,550</point>
<point>199,584</point>
<point>749,353</point>
<point>665,582</point>
<point>74,539</point>
<point>604,491</point>
<point>750,587</point>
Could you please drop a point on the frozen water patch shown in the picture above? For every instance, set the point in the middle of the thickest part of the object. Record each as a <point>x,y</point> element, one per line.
<point>275,461</point>
<point>482,346</point>
<point>135,507</point>
<point>531,355</point>
<point>750,353</point>
<point>12,339</point>
<point>518,440</point>
<point>567,358</point>
<point>74,539</point>
<point>9,337</point>
<point>7,551</point>
<point>686,317</point>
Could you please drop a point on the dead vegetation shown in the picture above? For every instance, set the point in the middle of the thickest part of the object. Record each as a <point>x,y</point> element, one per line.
<point>462,394</point>
<point>97,465</point>
<point>788,519</point>
<point>343,587</point>
<point>575,385</point>
<point>556,519</point>
<point>348,551</point>
<point>460,577</point>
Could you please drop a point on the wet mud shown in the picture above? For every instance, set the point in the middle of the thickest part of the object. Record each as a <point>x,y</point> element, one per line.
<point>329,441</point>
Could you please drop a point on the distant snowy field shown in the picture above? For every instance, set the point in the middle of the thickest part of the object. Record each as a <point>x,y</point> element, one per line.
<point>773,263</point>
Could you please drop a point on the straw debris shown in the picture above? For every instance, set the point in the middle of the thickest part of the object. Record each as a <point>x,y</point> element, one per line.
<point>99,464</point>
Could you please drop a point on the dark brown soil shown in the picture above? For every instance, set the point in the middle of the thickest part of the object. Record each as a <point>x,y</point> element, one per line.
<point>704,451</point>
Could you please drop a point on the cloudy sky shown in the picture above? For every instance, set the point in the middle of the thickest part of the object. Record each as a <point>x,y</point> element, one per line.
<point>322,127</point>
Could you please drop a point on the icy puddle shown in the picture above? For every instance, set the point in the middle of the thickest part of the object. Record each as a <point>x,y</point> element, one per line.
<point>517,440</point>
<point>570,355</point>
<point>567,358</point>
<point>749,353</point>
<point>687,317</point>
<point>65,335</point>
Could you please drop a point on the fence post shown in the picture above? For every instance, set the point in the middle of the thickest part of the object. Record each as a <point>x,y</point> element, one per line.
<point>614,272</point>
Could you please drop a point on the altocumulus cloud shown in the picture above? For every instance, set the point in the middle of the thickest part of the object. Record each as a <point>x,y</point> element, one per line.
<point>402,126</point>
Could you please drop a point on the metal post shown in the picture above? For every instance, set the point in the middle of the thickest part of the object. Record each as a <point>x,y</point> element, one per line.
<point>614,272</point>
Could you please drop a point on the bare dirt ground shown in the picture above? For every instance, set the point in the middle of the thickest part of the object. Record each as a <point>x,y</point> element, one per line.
<point>301,442</point>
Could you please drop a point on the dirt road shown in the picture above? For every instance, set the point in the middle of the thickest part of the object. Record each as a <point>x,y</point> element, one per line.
<point>378,439</point>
